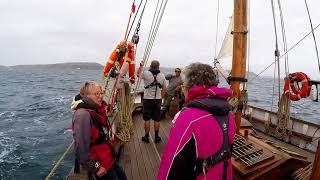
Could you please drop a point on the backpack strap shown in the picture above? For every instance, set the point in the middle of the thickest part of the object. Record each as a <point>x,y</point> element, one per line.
<point>225,151</point>
<point>154,83</point>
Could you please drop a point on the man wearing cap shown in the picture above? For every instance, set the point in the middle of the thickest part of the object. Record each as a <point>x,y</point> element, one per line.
<point>175,82</point>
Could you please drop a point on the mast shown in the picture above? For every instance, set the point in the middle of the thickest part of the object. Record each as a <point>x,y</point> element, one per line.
<point>238,72</point>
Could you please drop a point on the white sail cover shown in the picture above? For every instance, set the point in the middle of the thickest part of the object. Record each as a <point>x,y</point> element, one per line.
<point>226,48</point>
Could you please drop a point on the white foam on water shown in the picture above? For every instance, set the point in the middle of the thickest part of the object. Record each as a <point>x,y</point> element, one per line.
<point>7,145</point>
<point>39,121</point>
<point>8,114</point>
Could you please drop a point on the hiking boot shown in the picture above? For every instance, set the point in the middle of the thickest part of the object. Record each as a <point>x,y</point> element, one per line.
<point>145,139</point>
<point>157,139</point>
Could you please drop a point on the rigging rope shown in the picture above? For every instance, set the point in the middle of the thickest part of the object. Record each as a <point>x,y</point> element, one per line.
<point>284,39</point>
<point>155,29</point>
<point>277,53</point>
<point>59,162</point>
<point>140,19</point>
<point>284,101</point>
<point>133,8</point>
<point>127,99</point>
<point>157,17</point>
<point>217,30</point>
<point>135,16</point>
<point>314,38</point>
<point>284,53</point>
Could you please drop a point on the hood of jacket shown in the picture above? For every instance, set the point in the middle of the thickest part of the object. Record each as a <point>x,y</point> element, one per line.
<point>86,103</point>
<point>198,92</point>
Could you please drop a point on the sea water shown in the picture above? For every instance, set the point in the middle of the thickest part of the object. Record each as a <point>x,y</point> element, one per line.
<point>35,117</point>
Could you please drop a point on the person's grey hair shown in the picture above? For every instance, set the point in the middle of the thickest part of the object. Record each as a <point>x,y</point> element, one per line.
<point>86,86</point>
<point>155,64</point>
<point>201,75</point>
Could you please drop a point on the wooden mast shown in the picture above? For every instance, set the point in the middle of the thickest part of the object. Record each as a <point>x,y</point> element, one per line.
<point>238,72</point>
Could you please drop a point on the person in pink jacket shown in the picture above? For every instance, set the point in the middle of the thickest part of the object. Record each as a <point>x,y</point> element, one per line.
<point>201,137</point>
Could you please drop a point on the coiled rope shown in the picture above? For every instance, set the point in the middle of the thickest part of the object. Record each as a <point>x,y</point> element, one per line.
<point>124,114</point>
<point>303,173</point>
<point>283,115</point>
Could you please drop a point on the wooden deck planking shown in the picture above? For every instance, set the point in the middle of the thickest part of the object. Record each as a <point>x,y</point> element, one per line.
<point>140,160</point>
<point>133,161</point>
<point>150,154</point>
<point>141,163</point>
<point>127,161</point>
<point>144,148</point>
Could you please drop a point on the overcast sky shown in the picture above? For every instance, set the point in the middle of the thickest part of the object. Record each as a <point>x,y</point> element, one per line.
<point>55,31</point>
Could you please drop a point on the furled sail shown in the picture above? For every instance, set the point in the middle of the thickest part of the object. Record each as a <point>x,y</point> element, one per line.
<point>226,48</point>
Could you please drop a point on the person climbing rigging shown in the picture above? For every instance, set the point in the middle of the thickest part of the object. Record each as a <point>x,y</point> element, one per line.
<point>200,141</point>
<point>154,89</point>
<point>93,147</point>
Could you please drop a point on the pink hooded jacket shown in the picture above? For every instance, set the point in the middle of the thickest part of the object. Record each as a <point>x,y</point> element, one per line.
<point>196,134</point>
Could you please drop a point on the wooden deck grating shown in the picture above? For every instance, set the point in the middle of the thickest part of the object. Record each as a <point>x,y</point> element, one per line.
<point>140,160</point>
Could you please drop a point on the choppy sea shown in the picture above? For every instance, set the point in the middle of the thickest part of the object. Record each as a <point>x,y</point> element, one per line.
<point>35,118</point>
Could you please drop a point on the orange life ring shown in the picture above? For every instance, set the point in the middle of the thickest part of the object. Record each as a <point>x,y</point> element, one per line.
<point>294,87</point>
<point>124,52</point>
<point>297,93</point>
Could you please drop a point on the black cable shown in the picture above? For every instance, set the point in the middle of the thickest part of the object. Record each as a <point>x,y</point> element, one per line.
<point>133,21</point>
<point>140,20</point>
<point>286,52</point>
<point>314,38</point>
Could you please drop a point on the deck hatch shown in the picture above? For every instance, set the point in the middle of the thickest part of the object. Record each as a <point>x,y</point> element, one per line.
<point>247,153</point>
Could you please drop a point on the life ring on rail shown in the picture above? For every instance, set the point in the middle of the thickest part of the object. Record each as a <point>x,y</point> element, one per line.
<point>124,52</point>
<point>297,93</point>
<point>295,88</point>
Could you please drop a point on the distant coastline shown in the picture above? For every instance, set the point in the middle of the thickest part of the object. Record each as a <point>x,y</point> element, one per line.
<point>73,65</point>
<point>81,65</point>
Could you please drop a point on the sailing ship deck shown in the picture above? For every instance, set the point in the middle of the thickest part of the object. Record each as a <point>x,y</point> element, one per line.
<point>140,160</point>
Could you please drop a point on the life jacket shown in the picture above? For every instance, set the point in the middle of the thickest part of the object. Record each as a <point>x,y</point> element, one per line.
<point>225,151</point>
<point>154,82</point>
<point>101,146</point>
<point>103,132</point>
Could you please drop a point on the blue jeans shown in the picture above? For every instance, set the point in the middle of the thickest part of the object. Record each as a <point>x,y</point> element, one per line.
<point>114,173</point>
